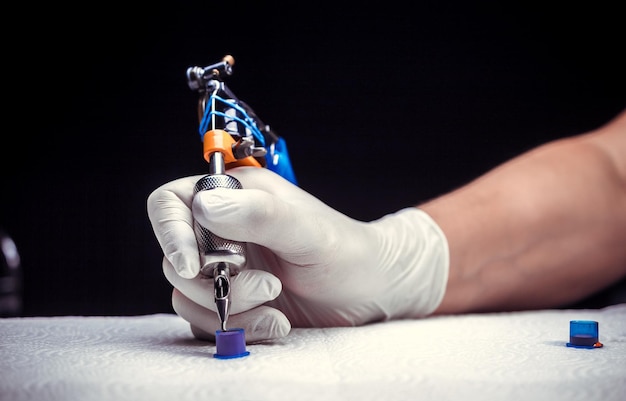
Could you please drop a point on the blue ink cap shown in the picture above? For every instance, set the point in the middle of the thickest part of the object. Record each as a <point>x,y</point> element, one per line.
<point>230,344</point>
<point>583,334</point>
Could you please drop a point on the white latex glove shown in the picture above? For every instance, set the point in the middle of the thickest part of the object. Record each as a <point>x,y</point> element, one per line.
<point>334,270</point>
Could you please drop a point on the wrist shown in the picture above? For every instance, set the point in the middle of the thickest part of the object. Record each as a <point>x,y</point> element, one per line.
<point>415,258</point>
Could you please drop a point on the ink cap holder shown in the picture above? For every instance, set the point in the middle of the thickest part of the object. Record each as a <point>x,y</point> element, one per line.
<point>583,334</point>
<point>230,344</point>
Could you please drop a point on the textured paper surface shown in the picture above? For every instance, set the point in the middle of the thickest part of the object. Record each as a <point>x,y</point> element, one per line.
<point>504,356</point>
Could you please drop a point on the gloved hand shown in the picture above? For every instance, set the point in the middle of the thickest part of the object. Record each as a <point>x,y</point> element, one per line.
<point>333,270</point>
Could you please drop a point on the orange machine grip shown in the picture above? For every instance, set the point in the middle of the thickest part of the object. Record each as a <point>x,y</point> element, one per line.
<point>221,141</point>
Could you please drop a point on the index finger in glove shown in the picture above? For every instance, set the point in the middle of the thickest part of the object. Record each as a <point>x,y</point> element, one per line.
<point>169,211</point>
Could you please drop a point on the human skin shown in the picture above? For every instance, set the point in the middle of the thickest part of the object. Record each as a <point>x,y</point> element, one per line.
<point>544,229</point>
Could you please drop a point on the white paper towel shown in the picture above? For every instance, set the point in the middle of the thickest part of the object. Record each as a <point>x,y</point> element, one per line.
<point>498,356</point>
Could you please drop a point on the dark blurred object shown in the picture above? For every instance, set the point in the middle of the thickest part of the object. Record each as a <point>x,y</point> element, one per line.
<point>613,295</point>
<point>10,277</point>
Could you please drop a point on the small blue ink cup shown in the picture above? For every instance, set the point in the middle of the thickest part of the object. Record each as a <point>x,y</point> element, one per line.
<point>583,334</point>
<point>230,344</point>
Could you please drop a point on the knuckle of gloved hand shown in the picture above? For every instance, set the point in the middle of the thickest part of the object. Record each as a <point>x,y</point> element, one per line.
<point>200,334</point>
<point>268,324</point>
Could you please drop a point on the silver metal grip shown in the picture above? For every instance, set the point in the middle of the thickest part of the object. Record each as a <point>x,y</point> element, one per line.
<point>214,250</point>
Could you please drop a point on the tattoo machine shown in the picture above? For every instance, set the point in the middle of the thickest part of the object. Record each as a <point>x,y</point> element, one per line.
<point>232,135</point>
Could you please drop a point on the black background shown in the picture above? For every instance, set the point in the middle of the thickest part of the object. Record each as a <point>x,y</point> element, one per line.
<point>381,106</point>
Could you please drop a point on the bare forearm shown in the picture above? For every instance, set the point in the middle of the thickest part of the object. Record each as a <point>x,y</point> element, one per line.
<point>545,229</point>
